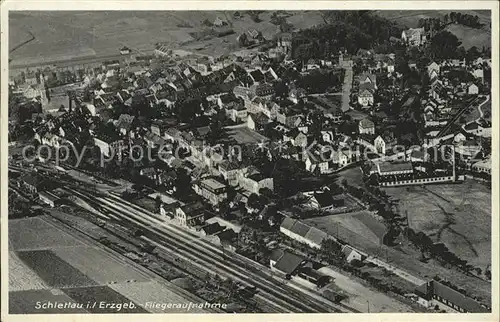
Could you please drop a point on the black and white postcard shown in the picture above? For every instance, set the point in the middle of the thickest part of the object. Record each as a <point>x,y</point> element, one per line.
<point>260,157</point>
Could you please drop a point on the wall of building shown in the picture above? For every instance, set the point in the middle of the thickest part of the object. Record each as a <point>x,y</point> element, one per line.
<point>418,181</point>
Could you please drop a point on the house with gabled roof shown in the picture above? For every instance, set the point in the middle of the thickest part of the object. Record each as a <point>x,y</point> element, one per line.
<point>434,294</point>
<point>414,36</point>
<point>303,233</point>
<point>285,262</point>
<point>366,126</point>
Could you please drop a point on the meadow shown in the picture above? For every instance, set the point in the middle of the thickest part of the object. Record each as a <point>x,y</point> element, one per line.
<point>75,34</point>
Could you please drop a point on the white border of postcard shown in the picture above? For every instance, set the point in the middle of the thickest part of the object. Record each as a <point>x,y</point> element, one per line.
<point>104,5</point>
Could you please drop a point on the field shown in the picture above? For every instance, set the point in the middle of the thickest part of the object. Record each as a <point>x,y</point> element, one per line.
<point>244,135</point>
<point>36,233</point>
<point>60,35</point>
<point>472,220</point>
<point>88,260</point>
<point>470,36</point>
<point>457,215</point>
<point>54,271</point>
<point>48,264</point>
<point>410,18</point>
<point>350,226</point>
<point>24,278</point>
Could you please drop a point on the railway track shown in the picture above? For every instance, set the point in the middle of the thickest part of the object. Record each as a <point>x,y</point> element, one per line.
<point>284,299</point>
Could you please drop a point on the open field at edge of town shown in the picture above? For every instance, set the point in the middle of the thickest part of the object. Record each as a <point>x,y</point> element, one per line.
<point>458,215</point>
<point>406,257</point>
<point>79,265</point>
<point>410,18</point>
<point>468,36</point>
<point>60,35</point>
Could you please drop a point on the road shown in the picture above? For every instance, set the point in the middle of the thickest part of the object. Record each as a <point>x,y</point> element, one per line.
<point>457,116</point>
<point>346,89</point>
<point>205,255</point>
<point>68,62</point>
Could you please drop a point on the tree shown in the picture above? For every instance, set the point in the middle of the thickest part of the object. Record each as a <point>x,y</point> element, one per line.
<point>243,40</point>
<point>331,250</point>
<point>182,183</point>
<point>254,201</point>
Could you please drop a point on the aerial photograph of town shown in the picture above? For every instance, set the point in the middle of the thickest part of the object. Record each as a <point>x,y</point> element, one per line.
<point>256,161</point>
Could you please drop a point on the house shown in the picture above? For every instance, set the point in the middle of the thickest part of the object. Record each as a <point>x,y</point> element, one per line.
<point>414,36</point>
<point>474,128</point>
<point>285,262</point>
<point>213,191</point>
<point>433,70</point>
<point>434,294</point>
<point>51,140</point>
<point>468,148</point>
<point>353,254</point>
<point>325,201</point>
<point>384,142</point>
<point>48,198</point>
<point>313,276</point>
<point>211,229</point>
<point>366,126</point>
<point>472,89</point>
<point>297,138</point>
<point>257,122</point>
<point>482,166</point>
<point>125,124</point>
<point>218,22</point>
<point>107,144</point>
<point>192,214</point>
<point>365,97</point>
<point>255,181</point>
<point>230,171</point>
<point>478,73</point>
<point>302,233</point>
<point>236,111</point>
<point>227,238</point>
<point>367,78</point>
<point>394,168</point>
<point>314,164</point>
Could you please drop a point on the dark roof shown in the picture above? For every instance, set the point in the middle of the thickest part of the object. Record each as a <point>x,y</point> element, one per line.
<point>288,223</point>
<point>315,235</point>
<point>289,262</point>
<point>260,118</point>
<point>257,75</point>
<point>227,235</point>
<point>300,229</point>
<point>193,209</point>
<point>472,126</point>
<point>212,228</point>
<point>324,199</point>
<point>435,288</point>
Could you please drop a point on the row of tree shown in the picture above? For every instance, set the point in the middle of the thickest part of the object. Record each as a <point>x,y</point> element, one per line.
<point>454,17</point>
<point>344,31</point>
<point>438,251</point>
